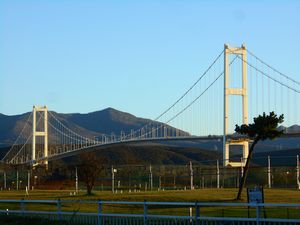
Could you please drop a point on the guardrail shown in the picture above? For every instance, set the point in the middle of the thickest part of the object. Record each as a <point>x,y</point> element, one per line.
<point>117,212</point>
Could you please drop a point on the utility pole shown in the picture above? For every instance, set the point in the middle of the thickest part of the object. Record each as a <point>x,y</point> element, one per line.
<point>113,179</point>
<point>159,183</point>
<point>17,180</point>
<point>28,180</point>
<point>269,172</point>
<point>218,175</point>
<point>151,178</point>
<point>76,180</point>
<point>192,175</point>
<point>298,173</point>
<point>4,177</point>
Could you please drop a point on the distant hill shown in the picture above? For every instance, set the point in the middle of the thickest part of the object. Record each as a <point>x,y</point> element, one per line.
<point>170,153</point>
<point>285,157</point>
<point>10,127</point>
<point>107,121</point>
<point>110,120</point>
<point>293,129</point>
<point>290,130</point>
<point>156,154</point>
<point>92,124</point>
<point>143,154</point>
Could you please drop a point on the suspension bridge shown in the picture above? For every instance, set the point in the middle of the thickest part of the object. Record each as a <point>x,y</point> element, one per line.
<point>237,86</point>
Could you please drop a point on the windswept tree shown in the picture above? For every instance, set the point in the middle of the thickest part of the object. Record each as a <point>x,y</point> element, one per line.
<point>264,127</point>
<point>89,168</point>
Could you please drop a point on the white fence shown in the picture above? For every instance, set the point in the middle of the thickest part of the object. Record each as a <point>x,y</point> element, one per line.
<point>139,213</point>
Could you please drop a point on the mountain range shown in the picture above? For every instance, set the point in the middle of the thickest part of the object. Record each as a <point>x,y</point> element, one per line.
<point>110,120</point>
<point>92,124</point>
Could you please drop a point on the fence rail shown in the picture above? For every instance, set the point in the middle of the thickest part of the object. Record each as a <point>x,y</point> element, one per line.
<point>142,216</point>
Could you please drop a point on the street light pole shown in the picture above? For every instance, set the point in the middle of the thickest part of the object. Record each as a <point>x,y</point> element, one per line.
<point>28,179</point>
<point>269,172</point>
<point>192,175</point>
<point>151,177</point>
<point>112,179</point>
<point>286,179</point>
<point>17,180</point>
<point>218,174</point>
<point>76,180</point>
<point>4,177</point>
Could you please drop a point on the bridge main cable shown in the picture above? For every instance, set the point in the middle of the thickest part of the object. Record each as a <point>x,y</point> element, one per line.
<point>272,68</point>
<point>268,76</point>
<point>197,81</point>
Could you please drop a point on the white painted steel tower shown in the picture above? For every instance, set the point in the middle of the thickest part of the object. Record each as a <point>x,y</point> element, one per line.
<point>44,133</point>
<point>242,91</point>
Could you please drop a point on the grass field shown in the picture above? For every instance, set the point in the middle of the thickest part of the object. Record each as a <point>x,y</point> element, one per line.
<point>202,195</point>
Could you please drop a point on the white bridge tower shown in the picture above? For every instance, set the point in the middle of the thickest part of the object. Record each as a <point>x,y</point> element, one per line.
<point>38,133</point>
<point>242,91</point>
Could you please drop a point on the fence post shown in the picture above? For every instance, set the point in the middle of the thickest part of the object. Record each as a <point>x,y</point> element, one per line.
<point>59,209</point>
<point>22,206</point>
<point>99,212</point>
<point>197,214</point>
<point>145,212</point>
<point>258,212</point>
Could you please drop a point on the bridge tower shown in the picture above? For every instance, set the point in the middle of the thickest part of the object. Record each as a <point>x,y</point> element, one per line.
<point>38,133</point>
<point>241,91</point>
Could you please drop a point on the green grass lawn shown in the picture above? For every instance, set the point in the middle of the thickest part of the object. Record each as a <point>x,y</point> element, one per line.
<point>202,195</point>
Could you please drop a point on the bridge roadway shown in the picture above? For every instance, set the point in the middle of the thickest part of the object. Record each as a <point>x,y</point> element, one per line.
<point>100,146</point>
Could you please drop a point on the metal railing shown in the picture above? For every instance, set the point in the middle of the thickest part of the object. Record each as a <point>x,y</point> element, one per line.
<point>126,212</point>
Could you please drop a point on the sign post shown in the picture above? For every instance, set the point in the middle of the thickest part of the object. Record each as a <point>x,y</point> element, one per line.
<point>256,196</point>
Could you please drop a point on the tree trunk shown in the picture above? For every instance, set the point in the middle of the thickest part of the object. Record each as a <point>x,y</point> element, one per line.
<point>89,189</point>
<point>89,186</point>
<point>244,178</point>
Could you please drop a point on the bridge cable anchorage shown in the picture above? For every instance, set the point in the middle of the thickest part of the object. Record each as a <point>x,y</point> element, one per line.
<point>272,68</point>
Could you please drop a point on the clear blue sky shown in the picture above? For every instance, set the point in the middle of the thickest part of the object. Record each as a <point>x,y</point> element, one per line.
<point>136,56</point>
